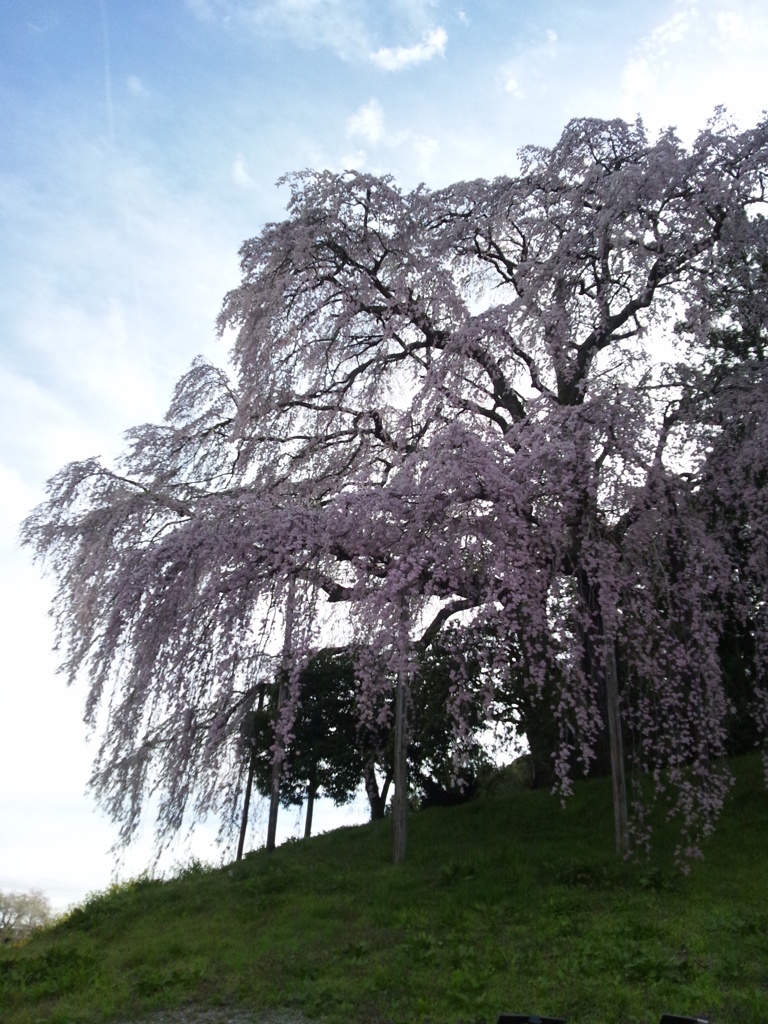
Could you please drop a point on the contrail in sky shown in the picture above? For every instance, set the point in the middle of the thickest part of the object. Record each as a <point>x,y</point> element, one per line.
<point>107,74</point>
<point>118,184</point>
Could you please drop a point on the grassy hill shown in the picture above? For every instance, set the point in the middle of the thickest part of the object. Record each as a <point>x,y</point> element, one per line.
<point>507,903</point>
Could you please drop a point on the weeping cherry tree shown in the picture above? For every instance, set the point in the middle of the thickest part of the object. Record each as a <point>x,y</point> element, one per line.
<point>493,405</point>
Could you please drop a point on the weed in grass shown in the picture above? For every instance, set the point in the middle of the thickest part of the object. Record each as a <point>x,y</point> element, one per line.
<point>168,980</point>
<point>455,871</point>
<point>467,990</point>
<point>355,951</point>
<point>53,972</point>
<point>747,923</point>
<point>410,919</point>
<point>654,879</point>
<point>423,948</point>
<point>586,874</point>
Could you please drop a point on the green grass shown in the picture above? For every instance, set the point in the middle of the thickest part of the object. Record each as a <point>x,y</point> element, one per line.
<point>504,904</point>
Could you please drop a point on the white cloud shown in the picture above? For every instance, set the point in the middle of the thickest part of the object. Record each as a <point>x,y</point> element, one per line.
<point>425,148</point>
<point>700,56</point>
<point>335,24</point>
<point>512,86</point>
<point>342,26</point>
<point>637,78</point>
<point>240,175</point>
<point>733,27</point>
<point>532,66</point>
<point>353,160</point>
<point>368,122</point>
<point>414,12</point>
<point>675,29</point>
<point>398,57</point>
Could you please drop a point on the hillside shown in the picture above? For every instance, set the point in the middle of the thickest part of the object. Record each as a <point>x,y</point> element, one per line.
<point>505,904</point>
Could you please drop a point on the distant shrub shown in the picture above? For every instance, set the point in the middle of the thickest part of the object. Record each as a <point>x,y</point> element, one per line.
<point>193,868</point>
<point>509,779</point>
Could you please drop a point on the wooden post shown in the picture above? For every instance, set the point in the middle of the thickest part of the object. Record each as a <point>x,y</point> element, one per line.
<point>246,805</point>
<point>249,783</point>
<point>311,794</point>
<point>618,781</point>
<point>285,672</point>
<point>400,802</point>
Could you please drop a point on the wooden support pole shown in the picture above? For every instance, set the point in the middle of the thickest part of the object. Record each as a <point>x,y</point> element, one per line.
<point>618,781</point>
<point>400,802</point>
<point>246,805</point>
<point>285,672</point>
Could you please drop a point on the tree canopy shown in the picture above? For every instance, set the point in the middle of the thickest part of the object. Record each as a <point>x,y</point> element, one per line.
<point>532,407</point>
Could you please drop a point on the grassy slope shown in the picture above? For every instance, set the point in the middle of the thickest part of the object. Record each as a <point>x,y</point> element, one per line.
<point>503,904</point>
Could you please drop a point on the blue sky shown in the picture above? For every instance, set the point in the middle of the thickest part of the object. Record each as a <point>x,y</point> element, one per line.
<point>141,142</point>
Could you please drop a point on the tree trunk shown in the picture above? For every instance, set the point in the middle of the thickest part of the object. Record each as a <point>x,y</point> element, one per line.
<point>377,801</point>
<point>384,791</point>
<point>285,671</point>
<point>400,807</point>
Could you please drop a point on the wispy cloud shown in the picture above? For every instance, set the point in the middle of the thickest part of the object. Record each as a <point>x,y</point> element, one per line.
<point>530,66</point>
<point>135,86</point>
<point>398,57</point>
<point>675,29</point>
<point>206,10</point>
<point>240,174</point>
<point>734,27</point>
<point>367,122</point>
<point>692,60</point>
<point>100,329</point>
<point>43,24</point>
<point>512,86</point>
<point>349,28</point>
<point>337,25</point>
<point>368,125</point>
